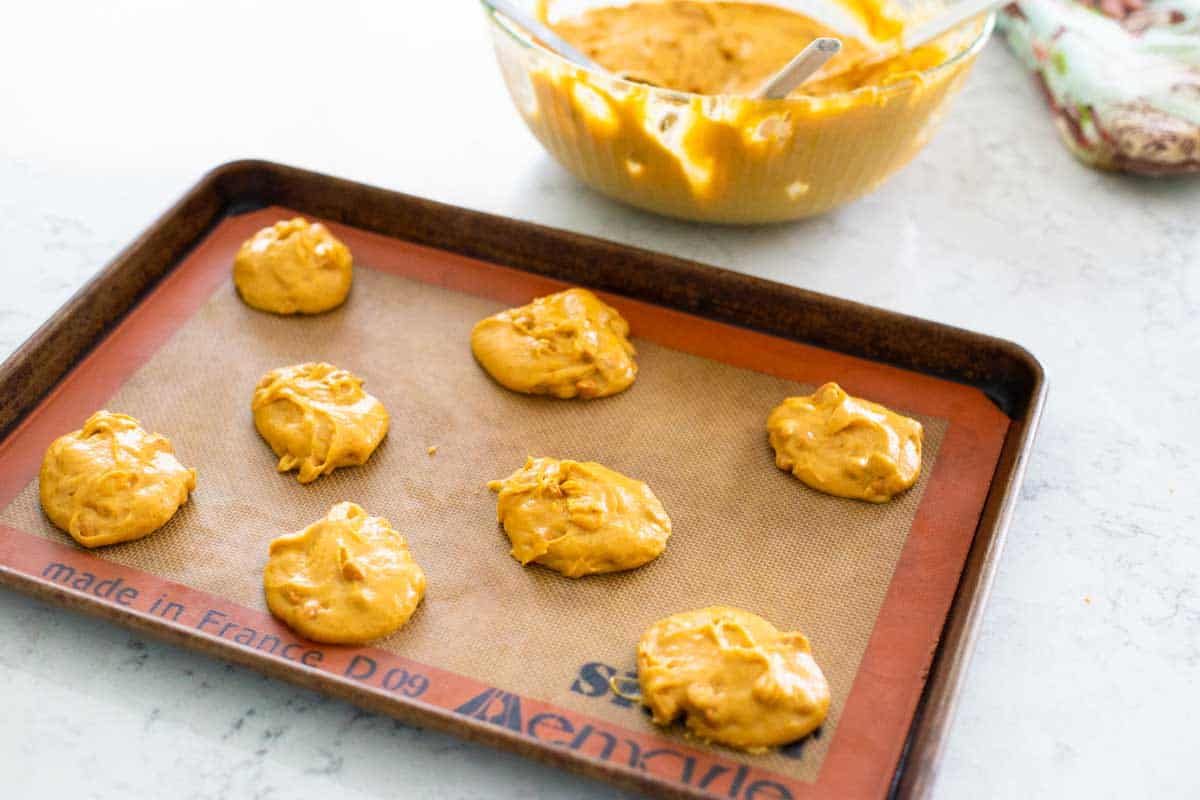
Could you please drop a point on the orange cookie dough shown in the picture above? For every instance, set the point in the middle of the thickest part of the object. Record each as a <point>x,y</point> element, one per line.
<point>846,446</point>
<point>293,267</point>
<point>717,47</point>
<point>346,579</point>
<point>580,518</point>
<point>569,344</point>
<point>317,418</point>
<point>112,481</point>
<point>734,678</point>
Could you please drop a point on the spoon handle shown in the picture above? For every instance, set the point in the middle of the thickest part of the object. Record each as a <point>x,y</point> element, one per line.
<point>800,68</point>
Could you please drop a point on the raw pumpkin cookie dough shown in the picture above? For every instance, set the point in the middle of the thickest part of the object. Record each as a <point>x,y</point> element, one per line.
<point>568,344</point>
<point>734,678</point>
<point>717,47</point>
<point>293,267</point>
<point>112,481</point>
<point>346,579</point>
<point>846,446</point>
<point>580,518</point>
<point>317,418</point>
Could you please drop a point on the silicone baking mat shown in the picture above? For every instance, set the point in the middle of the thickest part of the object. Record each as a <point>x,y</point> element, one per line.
<point>525,648</point>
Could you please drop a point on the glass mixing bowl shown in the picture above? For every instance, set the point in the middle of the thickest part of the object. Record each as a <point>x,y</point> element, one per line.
<point>726,158</point>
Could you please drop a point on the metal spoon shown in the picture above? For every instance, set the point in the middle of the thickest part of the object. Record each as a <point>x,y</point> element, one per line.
<point>926,32</point>
<point>799,69</point>
<point>542,33</point>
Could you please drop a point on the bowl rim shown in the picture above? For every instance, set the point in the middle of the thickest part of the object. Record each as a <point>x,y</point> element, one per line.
<point>527,41</point>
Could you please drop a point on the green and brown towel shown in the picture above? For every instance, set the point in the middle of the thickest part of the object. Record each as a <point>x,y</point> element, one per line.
<point>1122,80</point>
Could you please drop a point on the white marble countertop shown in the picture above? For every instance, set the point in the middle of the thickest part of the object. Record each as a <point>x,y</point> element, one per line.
<point>1086,674</point>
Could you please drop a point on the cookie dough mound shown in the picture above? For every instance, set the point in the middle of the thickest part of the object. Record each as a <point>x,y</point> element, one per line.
<point>580,518</point>
<point>346,579</point>
<point>734,678</point>
<point>846,446</point>
<point>569,344</point>
<point>317,418</point>
<point>293,267</point>
<point>111,481</point>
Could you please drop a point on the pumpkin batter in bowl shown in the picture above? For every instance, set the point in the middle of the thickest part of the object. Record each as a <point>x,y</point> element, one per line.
<point>346,579</point>
<point>579,517</point>
<point>846,446</point>
<point>694,145</point>
<point>317,418</point>
<point>568,344</point>
<point>719,47</point>
<point>733,676</point>
<point>112,481</point>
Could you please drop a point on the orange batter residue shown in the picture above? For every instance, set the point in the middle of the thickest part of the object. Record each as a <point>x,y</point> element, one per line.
<point>733,676</point>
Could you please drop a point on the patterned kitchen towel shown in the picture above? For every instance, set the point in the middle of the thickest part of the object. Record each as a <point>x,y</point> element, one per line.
<point>1123,81</point>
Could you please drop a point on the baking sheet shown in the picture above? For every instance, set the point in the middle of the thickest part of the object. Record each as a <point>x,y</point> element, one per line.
<point>744,532</point>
